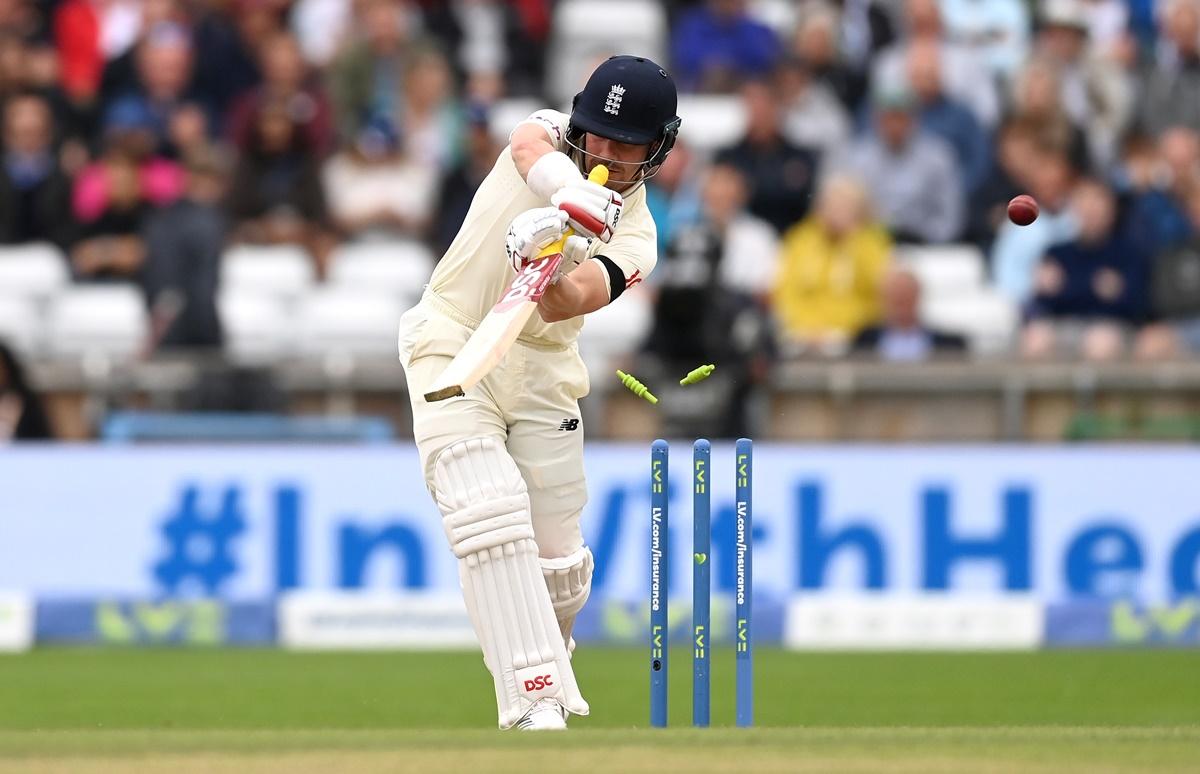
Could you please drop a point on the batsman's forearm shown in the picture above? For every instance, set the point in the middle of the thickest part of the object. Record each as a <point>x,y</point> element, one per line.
<point>529,143</point>
<point>581,292</point>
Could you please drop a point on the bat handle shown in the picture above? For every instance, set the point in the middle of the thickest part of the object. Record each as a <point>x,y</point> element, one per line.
<point>599,176</point>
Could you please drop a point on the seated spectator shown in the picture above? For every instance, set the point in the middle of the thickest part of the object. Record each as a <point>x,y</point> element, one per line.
<point>1037,102</point>
<point>1018,249</point>
<point>277,196</point>
<point>781,175</point>
<point>963,75</point>
<point>1175,295</point>
<point>916,184</point>
<point>35,195</point>
<point>1096,93</point>
<point>458,186</point>
<point>831,266</point>
<point>429,115</point>
<point>287,81</point>
<point>997,31</point>
<point>815,44</point>
<point>374,190</point>
<point>812,115</point>
<point>673,194</point>
<point>1016,150</point>
<point>1169,89</point>
<point>900,337</point>
<point>110,245</point>
<point>943,116</point>
<point>164,63</point>
<point>712,284</point>
<point>718,44</point>
<point>1091,291</point>
<point>1158,194</point>
<point>184,241</point>
<point>493,37</point>
<point>364,80</point>
<point>22,417</point>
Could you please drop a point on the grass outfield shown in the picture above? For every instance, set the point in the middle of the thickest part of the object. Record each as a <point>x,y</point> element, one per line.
<point>184,711</point>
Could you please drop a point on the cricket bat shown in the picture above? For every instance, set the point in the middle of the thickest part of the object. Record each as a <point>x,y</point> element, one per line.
<point>499,329</point>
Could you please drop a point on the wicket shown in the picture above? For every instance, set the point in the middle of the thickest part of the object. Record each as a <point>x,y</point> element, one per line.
<point>742,551</point>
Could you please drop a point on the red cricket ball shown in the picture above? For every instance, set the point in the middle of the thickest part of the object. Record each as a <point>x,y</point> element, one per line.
<point>1023,210</point>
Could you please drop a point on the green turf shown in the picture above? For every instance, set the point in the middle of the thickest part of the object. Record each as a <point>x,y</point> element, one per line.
<point>252,710</point>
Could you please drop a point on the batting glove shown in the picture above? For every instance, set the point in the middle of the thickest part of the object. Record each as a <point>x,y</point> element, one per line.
<point>593,210</point>
<point>531,231</point>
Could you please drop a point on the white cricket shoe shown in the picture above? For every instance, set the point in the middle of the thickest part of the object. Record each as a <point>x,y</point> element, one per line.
<point>546,714</point>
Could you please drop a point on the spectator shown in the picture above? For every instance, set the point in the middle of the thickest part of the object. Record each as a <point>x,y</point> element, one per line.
<point>712,285</point>
<point>1170,88</point>
<point>22,417</point>
<point>718,45</point>
<point>429,115</point>
<point>184,241</point>
<point>916,184</point>
<point>1096,93</point>
<point>812,115</point>
<point>1158,210</point>
<point>1090,291</point>
<point>164,64</point>
<point>1175,296</point>
<point>375,190</point>
<point>1037,102</point>
<point>900,337</point>
<point>152,19</point>
<point>815,44</point>
<point>458,186</point>
<point>488,38</point>
<point>781,175</point>
<point>365,78</point>
<point>963,75</point>
<point>277,196</point>
<point>110,245</point>
<point>831,265</point>
<point>34,192</point>
<point>997,30</point>
<point>1016,150</point>
<point>944,117</point>
<point>286,81</point>
<point>1018,249</point>
<point>673,194</point>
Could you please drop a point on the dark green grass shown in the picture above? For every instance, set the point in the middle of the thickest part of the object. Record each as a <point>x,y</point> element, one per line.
<point>273,690</point>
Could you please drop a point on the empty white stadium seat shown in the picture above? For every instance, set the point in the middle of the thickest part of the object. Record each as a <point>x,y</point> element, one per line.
<point>398,268</point>
<point>337,320</point>
<point>711,122</point>
<point>986,317</point>
<point>108,320</point>
<point>779,15</point>
<point>614,331</point>
<point>945,269</point>
<point>286,270</point>
<point>507,113</point>
<point>257,326</point>
<point>38,269</point>
<point>20,324</point>
<point>589,31</point>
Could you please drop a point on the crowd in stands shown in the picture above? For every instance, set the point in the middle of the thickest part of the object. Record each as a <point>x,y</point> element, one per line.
<point>143,137</point>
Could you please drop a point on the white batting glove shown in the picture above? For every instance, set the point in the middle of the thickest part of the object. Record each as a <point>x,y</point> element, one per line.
<point>531,231</point>
<point>593,209</point>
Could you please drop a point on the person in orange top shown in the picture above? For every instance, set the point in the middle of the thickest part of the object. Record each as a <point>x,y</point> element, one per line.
<point>830,269</point>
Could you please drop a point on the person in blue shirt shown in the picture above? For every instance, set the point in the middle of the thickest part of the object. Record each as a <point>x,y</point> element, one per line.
<point>718,45</point>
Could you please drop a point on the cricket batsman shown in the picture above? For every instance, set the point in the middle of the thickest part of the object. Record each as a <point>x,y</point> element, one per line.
<point>504,462</point>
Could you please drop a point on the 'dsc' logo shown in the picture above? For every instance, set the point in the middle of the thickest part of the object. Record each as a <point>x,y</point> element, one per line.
<point>538,683</point>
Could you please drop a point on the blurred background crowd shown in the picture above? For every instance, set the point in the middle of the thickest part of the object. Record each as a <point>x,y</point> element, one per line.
<point>264,181</point>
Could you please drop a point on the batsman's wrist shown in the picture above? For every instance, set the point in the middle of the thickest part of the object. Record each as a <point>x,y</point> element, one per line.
<point>550,173</point>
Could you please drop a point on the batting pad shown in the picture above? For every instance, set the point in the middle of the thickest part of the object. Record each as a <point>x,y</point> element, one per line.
<point>485,512</point>
<point>569,581</point>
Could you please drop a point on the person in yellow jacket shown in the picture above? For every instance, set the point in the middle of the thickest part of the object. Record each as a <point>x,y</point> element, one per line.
<point>831,265</point>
